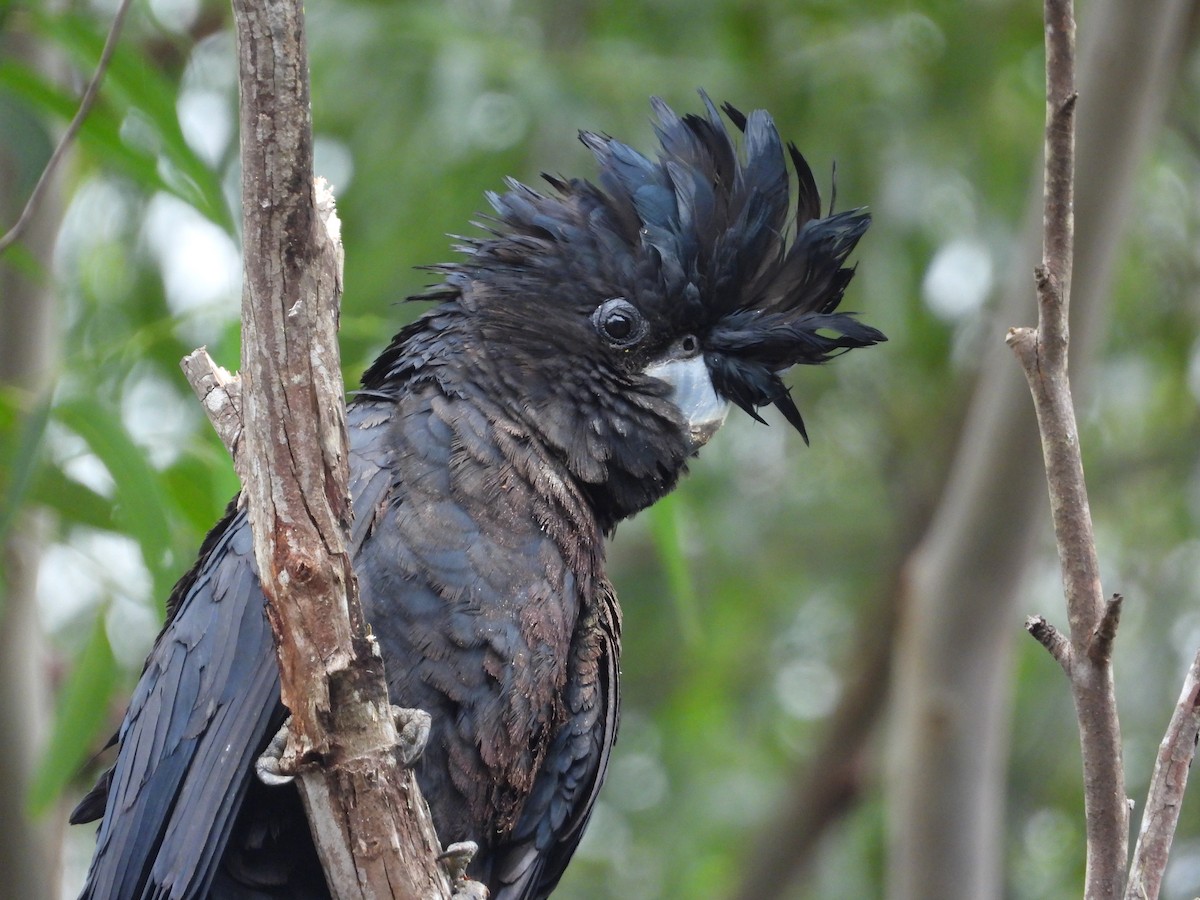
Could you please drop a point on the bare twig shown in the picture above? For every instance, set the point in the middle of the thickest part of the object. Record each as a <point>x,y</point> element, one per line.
<point>220,393</point>
<point>1105,632</point>
<point>1052,639</point>
<point>1165,796</point>
<point>1043,355</point>
<point>14,233</point>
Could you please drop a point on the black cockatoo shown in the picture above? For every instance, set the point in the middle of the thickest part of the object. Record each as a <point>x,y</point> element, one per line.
<point>577,357</point>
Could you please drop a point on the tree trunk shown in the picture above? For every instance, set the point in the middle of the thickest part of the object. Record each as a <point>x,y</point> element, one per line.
<point>28,849</point>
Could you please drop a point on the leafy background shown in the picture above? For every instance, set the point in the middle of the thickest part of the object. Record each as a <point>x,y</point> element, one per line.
<point>751,590</point>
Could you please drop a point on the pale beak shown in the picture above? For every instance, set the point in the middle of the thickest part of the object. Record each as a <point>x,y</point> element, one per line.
<point>692,391</point>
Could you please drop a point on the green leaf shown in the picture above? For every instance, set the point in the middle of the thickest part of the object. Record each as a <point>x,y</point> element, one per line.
<point>140,503</point>
<point>75,503</point>
<point>19,454</point>
<point>82,712</point>
<point>101,131</point>
<point>137,88</point>
<point>201,483</point>
<point>666,528</point>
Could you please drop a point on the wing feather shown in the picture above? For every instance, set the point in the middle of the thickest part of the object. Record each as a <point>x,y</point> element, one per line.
<point>530,865</point>
<point>199,715</point>
<point>205,707</point>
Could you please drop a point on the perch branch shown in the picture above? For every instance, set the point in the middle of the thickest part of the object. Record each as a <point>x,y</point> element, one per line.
<point>1043,356</point>
<point>283,420</point>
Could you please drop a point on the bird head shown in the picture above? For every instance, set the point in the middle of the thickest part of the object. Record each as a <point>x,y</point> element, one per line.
<point>623,316</point>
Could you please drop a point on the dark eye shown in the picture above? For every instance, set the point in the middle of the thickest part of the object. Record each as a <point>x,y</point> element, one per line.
<point>619,322</point>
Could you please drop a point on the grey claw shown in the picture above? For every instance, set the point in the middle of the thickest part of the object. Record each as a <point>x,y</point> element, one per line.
<point>413,725</point>
<point>455,859</point>
<point>269,765</point>
<point>469,890</point>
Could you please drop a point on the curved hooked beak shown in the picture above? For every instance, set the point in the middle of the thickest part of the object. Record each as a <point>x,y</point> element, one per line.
<point>692,391</point>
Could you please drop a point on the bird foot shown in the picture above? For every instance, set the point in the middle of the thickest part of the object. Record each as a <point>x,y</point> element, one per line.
<point>469,890</point>
<point>274,767</point>
<point>413,727</point>
<point>270,766</point>
<point>454,860</point>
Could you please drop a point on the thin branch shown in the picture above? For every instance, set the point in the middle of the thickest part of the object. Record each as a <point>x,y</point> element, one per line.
<point>1165,797</point>
<point>1043,356</point>
<point>947,760</point>
<point>1105,633</point>
<point>85,106</point>
<point>1052,639</point>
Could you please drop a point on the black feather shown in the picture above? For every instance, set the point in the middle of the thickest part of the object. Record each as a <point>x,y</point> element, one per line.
<point>703,238</point>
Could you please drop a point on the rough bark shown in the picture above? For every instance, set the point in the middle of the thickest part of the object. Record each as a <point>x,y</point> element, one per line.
<point>372,829</point>
<point>948,747</point>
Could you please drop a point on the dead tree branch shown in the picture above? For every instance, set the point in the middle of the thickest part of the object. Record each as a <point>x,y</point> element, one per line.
<point>30,354</point>
<point>371,826</point>
<point>1043,356</point>
<point>220,393</point>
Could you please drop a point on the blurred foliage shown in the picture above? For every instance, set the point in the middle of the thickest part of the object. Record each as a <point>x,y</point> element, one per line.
<point>742,596</point>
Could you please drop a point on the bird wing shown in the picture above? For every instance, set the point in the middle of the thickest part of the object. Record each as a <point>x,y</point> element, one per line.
<point>536,854</point>
<point>206,702</point>
<point>204,709</point>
